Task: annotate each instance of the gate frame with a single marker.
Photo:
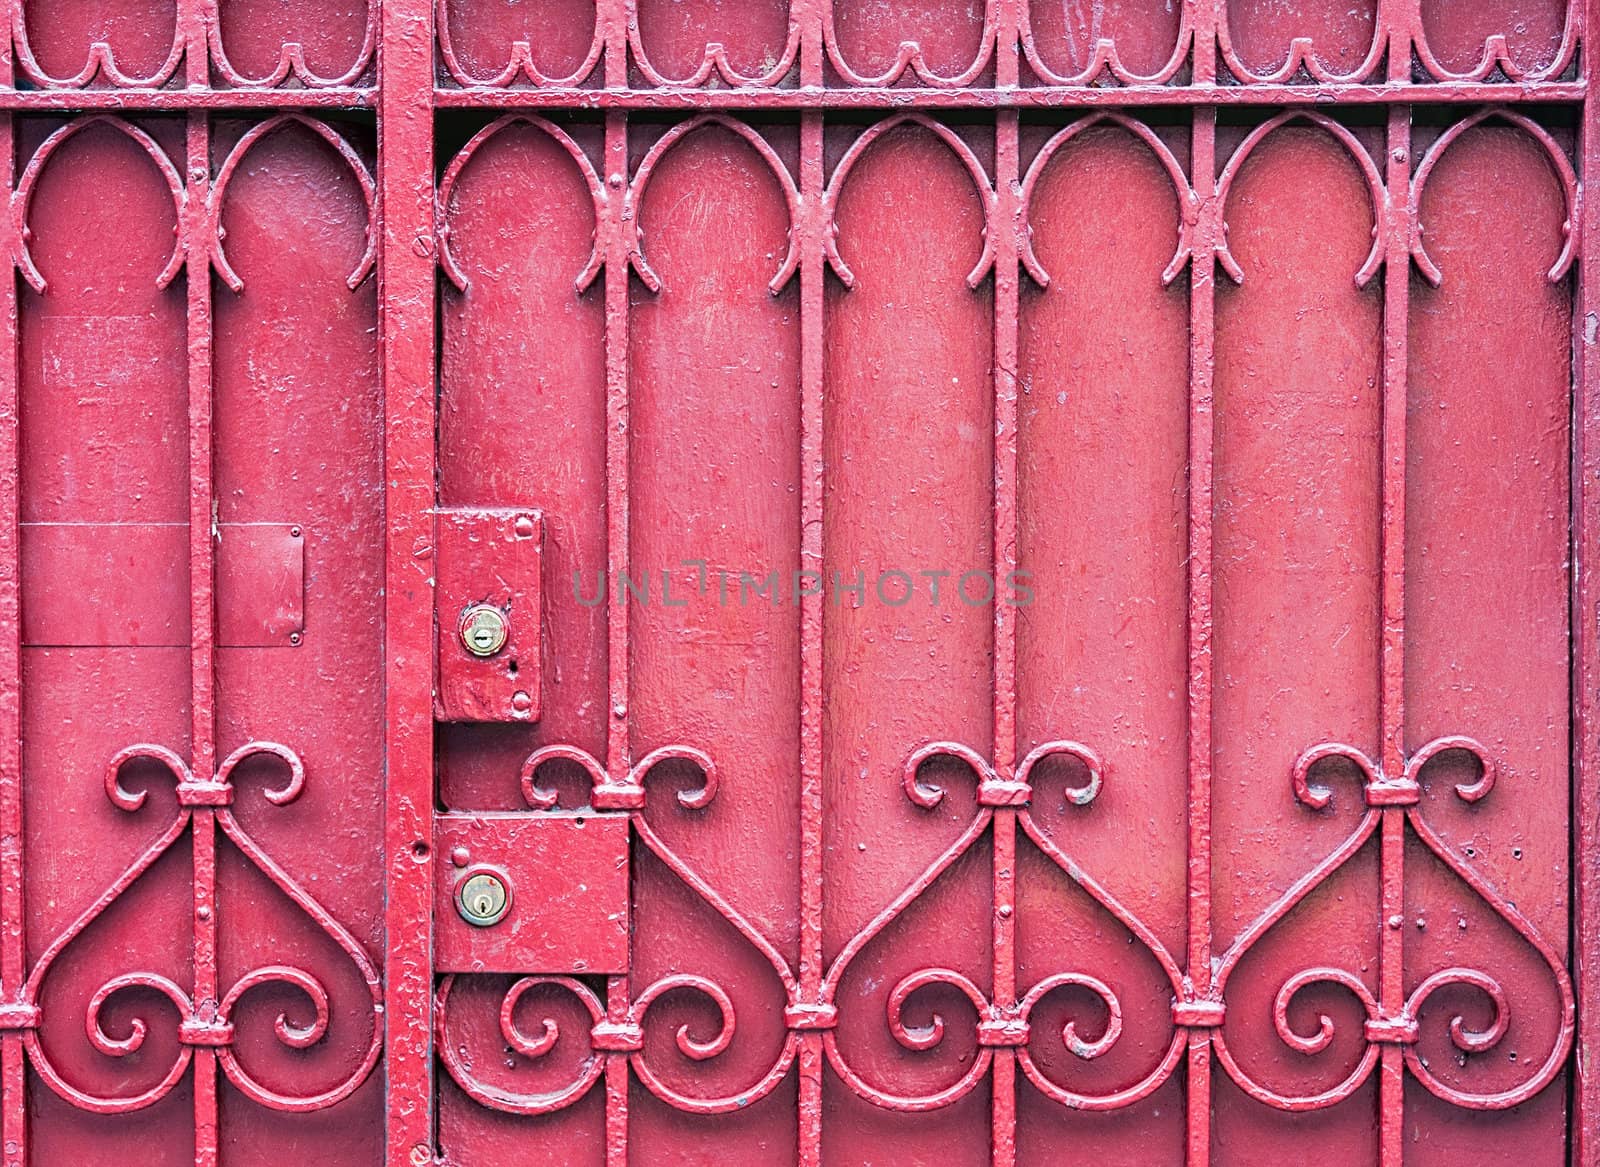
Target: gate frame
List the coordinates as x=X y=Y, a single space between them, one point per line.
x=407 y=100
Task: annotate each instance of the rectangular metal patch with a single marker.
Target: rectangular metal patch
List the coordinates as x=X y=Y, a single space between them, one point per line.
x=261 y=585
x=126 y=585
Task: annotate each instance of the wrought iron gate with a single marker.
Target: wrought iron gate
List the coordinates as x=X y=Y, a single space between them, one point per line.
x=840 y=581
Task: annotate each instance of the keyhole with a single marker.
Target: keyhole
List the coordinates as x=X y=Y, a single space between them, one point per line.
x=483 y=899
x=484 y=630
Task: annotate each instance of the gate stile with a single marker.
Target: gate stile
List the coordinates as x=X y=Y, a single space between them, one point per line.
x=378 y=996
x=1586 y=653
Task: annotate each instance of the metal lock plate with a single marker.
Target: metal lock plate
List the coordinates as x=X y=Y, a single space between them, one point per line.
x=532 y=893
x=487 y=600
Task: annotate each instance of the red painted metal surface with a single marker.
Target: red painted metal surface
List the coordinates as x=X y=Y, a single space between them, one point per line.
x=488 y=590
x=1044 y=554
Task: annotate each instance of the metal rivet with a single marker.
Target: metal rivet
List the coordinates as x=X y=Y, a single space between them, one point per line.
x=460 y=856
x=524 y=527
x=484 y=629
x=482 y=899
x=521 y=702
x=294 y=638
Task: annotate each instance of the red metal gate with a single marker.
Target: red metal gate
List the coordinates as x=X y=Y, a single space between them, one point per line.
x=842 y=581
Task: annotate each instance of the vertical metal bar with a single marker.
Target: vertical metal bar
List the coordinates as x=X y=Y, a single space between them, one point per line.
x=202 y=546
x=1401 y=16
x=809 y=14
x=617 y=1004
x=203 y=830
x=406 y=314
x=202 y=611
x=1206 y=14
x=13 y=939
x=813 y=271
x=1008 y=189
x=813 y=323
x=1202 y=357
x=613 y=18
x=202 y=580
x=1396 y=307
x=618 y=257
x=1202 y=347
x=1008 y=228
x=1391 y=988
x=1585 y=1123
x=1007 y=58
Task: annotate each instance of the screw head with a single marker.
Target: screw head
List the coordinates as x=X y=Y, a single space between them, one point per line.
x=484 y=629
x=483 y=899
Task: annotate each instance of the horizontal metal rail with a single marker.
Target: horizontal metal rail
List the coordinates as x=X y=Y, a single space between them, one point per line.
x=810 y=97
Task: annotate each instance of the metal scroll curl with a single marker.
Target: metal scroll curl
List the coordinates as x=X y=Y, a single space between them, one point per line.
x=918 y=1014
x=203 y=1020
x=618 y=1027
x=1398 y=796
x=1001 y=1027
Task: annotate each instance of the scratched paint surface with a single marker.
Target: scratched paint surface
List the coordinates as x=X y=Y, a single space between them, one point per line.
x=1058 y=521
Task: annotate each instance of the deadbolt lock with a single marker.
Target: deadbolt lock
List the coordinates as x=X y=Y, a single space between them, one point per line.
x=483 y=899
x=484 y=630
x=487 y=599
